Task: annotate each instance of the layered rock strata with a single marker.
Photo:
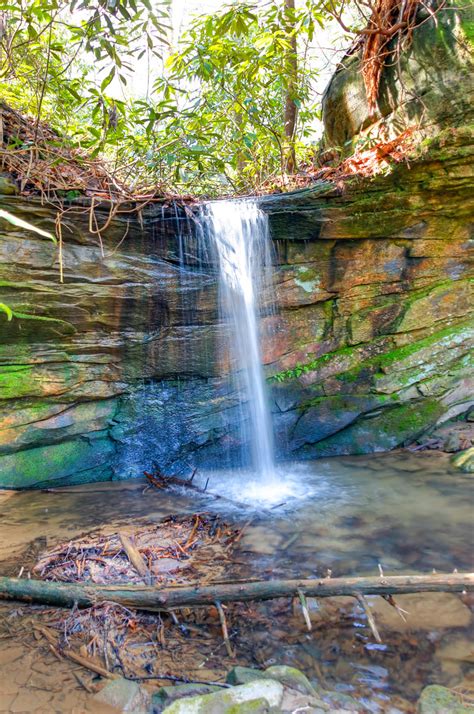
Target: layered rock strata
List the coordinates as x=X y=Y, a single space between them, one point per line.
x=120 y=365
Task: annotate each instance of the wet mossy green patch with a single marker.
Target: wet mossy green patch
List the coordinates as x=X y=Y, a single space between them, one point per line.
x=15 y=381
x=392 y=427
x=73 y=461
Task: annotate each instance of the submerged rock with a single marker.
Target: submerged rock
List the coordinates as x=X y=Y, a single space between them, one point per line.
x=124 y=695
x=424 y=611
x=342 y=702
x=440 y=700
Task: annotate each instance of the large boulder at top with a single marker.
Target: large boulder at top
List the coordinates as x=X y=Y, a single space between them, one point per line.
x=430 y=81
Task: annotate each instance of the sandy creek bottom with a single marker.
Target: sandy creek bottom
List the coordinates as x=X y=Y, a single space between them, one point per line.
x=408 y=512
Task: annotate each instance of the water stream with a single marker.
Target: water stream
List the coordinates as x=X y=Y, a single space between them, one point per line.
x=239 y=237
x=357 y=512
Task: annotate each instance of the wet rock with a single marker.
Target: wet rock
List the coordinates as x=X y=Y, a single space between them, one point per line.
x=464 y=461
x=294 y=701
x=425 y=611
x=291 y=678
x=254 y=695
x=339 y=701
x=453 y=444
x=244 y=675
x=440 y=700
x=167 y=695
x=454 y=654
x=124 y=695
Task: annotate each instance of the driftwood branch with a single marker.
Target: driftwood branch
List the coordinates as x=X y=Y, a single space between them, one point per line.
x=164 y=482
x=144 y=597
x=70 y=654
x=135 y=557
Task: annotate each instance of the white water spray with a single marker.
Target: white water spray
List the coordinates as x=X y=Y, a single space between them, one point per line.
x=240 y=236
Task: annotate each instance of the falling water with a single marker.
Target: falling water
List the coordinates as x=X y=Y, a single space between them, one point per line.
x=239 y=234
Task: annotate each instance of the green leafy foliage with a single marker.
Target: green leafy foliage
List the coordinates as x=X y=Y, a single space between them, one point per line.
x=21 y=223
x=211 y=123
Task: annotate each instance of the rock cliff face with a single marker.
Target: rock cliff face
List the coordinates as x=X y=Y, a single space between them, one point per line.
x=118 y=367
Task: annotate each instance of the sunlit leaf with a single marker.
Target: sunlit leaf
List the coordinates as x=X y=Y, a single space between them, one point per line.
x=20 y=223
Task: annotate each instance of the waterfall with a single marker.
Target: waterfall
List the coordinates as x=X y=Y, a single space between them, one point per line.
x=239 y=236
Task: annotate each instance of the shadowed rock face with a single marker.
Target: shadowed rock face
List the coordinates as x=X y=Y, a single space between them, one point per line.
x=120 y=365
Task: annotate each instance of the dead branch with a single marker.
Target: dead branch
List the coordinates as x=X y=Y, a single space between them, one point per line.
x=169 y=598
x=135 y=557
x=163 y=482
x=70 y=654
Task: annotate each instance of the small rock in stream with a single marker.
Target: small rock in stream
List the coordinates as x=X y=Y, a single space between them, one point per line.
x=125 y=695
x=440 y=700
x=464 y=461
x=289 y=677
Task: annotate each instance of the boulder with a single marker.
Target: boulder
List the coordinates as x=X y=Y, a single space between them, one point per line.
x=251 y=697
x=429 y=81
x=167 y=695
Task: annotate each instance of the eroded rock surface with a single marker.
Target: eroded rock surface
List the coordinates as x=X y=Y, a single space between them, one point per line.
x=121 y=365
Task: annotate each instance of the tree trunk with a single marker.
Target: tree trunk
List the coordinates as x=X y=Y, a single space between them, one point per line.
x=291 y=67
x=144 y=597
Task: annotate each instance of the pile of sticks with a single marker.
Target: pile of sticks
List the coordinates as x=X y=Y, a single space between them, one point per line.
x=137 y=555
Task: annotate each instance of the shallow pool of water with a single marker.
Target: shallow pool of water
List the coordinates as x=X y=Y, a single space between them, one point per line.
x=405 y=512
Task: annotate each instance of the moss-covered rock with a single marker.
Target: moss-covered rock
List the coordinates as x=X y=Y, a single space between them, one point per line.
x=167 y=695
x=440 y=700
x=250 y=697
x=464 y=461
x=431 y=80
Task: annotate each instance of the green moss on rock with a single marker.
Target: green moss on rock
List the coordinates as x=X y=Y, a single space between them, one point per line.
x=73 y=461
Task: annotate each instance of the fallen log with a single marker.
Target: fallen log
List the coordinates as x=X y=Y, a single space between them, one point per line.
x=142 y=597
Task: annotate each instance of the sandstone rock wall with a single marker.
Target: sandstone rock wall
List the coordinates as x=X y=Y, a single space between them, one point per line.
x=120 y=364
x=384 y=298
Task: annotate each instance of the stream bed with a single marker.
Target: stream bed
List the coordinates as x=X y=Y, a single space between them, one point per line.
x=405 y=512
